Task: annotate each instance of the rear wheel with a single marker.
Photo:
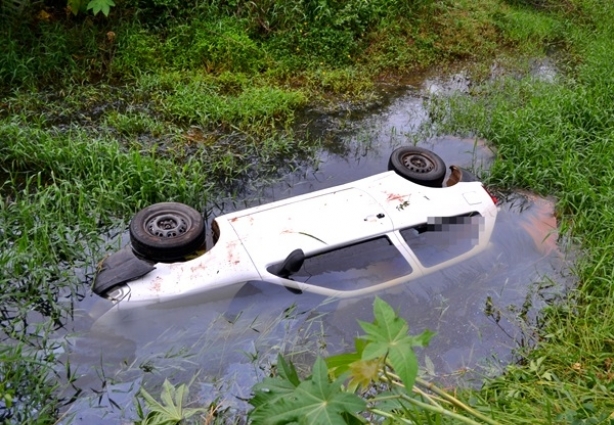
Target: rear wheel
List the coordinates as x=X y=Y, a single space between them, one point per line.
x=418 y=165
x=167 y=231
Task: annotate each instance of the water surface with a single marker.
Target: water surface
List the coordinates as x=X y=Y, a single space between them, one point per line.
x=481 y=309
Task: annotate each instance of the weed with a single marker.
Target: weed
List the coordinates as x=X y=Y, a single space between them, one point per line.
x=555 y=137
x=134 y=124
x=373 y=388
x=198 y=103
x=99 y=118
x=27 y=392
x=171 y=410
x=529 y=29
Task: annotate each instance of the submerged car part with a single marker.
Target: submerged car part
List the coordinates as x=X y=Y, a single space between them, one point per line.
x=458 y=174
x=117 y=269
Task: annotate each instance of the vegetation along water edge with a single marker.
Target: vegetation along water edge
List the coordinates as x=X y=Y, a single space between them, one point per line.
x=107 y=107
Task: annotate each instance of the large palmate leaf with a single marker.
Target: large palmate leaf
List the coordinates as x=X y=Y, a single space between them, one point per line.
x=314 y=401
x=388 y=337
x=171 y=410
x=340 y=363
x=103 y=6
x=77 y=6
x=272 y=390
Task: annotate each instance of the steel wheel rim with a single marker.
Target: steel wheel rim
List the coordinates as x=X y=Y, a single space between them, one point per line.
x=418 y=163
x=167 y=225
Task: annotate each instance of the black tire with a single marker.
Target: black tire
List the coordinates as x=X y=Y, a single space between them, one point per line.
x=215 y=232
x=418 y=165
x=167 y=231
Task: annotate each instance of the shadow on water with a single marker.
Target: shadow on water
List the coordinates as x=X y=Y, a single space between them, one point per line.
x=482 y=309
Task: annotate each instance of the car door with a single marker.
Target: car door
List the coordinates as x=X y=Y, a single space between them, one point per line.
x=443 y=241
x=362 y=267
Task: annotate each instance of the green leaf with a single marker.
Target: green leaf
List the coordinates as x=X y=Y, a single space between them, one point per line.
x=76 y=6
x=352 y=362
x=388 y=337
x=314 y=401
x=423 y=339
x=287 y=371
x=103 y=6
x=171 y=410
x=388 y=331
x=340 y=363
x=405 y=364
x=271 y=390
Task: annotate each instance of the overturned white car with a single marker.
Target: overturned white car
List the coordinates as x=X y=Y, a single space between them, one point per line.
x=345 y=241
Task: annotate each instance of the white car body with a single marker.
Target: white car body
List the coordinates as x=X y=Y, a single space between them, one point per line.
x=252 y=240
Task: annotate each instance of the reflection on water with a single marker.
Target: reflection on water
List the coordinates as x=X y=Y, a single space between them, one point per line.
x=541 y=225
x=480 y=309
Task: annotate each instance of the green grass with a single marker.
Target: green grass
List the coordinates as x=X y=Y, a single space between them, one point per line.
x=26 y=385
x=62 y=189
x=273 y=38
x=528 y=29
x=199 y=102
x=556 y=138
x=99 y=118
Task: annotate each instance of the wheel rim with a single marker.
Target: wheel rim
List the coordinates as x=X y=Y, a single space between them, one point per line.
x=167 y=225
x=418 y=163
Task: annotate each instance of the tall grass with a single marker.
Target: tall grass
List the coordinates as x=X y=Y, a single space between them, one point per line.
x=27 y=392
x=171 y=101
x=62 y=189
x=272 y=38
x=557 y=138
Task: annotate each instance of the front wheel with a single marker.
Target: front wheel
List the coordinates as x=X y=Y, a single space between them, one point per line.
x=167 y=231
x=418 y=165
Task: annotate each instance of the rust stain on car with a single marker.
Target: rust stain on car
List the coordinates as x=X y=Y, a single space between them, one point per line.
x=231 y=254
x=395 y=197
x=156 y=285
x=197 y=267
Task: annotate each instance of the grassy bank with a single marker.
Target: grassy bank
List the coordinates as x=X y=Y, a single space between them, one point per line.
x=166 y=100
x=555 y=137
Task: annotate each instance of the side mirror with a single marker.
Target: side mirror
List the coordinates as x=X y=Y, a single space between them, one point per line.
x=292 y=264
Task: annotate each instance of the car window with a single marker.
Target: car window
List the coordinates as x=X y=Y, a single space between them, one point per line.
x=355 y=266
x=442 y=238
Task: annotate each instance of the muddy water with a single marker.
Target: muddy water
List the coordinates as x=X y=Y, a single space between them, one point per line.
x=481 y=310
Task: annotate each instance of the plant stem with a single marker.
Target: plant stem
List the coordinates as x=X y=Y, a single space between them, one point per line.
x=446 y=397
x=439 y=409
x=418 y=391
x=390 y=416
x=431 y=387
